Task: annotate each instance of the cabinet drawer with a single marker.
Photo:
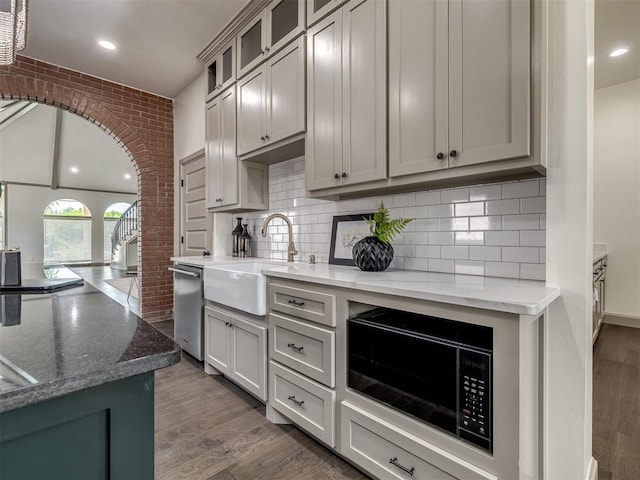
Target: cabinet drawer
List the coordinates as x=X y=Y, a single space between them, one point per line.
x=308 y=349
x=308 y=304
x=388 y=452
x=305 y=402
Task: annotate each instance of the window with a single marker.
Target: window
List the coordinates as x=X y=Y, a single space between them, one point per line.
x=67 y=232
x=111 y=216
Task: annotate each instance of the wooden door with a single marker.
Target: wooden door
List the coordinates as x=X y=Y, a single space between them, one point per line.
x=285 y=92
x=217 y=340
x=228 y=159
x=418 y=86
x=364 y=74
x=251 y=111
x=195 y=222
x=489 y=80
x=249 y=352
x=323 y=156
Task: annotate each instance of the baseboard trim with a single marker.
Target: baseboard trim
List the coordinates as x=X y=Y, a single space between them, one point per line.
x=622 y=320
x=592 y=471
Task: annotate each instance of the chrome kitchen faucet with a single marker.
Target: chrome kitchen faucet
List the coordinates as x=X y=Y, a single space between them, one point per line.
x=292 y=248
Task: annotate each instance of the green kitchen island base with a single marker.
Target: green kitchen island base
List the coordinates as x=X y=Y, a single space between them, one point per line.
x=103 y=432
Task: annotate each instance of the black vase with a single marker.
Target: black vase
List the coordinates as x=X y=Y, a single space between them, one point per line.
x=372 y=255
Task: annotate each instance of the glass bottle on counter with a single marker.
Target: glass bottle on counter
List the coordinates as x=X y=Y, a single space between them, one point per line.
x=235 y=234
x=245 y=242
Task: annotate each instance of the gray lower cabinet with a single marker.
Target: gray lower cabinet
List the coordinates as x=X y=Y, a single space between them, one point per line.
x=236 y=346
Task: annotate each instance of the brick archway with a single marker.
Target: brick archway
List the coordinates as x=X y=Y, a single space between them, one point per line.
x=142 y=123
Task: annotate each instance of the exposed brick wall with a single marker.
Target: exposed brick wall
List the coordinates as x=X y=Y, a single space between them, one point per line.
x=142 y=124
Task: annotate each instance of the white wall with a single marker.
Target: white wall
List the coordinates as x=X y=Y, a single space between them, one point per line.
x=567 y=389
x=24 y=222
x=188 y=119
x=617 y=193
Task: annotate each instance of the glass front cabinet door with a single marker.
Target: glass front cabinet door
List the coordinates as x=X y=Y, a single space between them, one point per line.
x=221 y=72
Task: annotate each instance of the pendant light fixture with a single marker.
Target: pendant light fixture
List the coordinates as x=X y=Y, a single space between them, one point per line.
x=13 y=29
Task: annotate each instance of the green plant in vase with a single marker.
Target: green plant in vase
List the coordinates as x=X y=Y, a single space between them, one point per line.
x=375 y=253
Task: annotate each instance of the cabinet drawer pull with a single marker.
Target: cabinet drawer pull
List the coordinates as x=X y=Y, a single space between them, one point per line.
x=297 y=304
x=394 y=462
x=292 y=346
x=299 y=403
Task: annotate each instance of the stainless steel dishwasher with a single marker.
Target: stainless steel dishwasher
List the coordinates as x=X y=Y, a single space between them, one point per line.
x=188 y=305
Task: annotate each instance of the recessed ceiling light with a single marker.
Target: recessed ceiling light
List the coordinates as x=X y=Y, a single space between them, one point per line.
x=106 y=44
x=74 y=169
x=127 y=176
x=618 y=51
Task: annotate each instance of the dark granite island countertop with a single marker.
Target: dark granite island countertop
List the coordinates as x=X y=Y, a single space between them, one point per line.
x=64 y=342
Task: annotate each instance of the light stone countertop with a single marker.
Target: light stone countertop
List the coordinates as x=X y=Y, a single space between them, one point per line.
x=529 y=297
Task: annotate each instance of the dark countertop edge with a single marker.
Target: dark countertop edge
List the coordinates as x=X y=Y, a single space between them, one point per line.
x=37 y=393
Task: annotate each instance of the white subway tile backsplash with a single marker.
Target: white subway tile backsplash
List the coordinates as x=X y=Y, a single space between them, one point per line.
x=454 y=195
x=440 y=238
x=520 y=254
x=439 y=265
x=469 y=238
x=503 y=207
x=493 y=230
x=532 y=271
x=485 y=192
x=428 y=198
x=469 y=209
x=454 y=224
x=436 y=211
x=533 y=238
x=485 y=253
x=500 y=239
x=525 y=188
x=467 y=267
x=485 y=223
x=521 y=222
x=533 y=205
x=456 y=253
x=428 y=251
x=502 y=269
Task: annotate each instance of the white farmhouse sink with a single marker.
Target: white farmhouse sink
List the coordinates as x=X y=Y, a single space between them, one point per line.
x=240 y=286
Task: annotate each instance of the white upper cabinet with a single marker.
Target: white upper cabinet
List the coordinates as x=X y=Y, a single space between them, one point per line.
x=220 y=150
x=459 y=90
x=251 y=111
x=489 y=85
x=346 y=97
x=317 y=9
x=364 y=102
x=221 y=71
x=418 y=86
x=276 y=26
x=271 y=100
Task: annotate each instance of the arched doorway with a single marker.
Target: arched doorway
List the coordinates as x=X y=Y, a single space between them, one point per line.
x=142 y=124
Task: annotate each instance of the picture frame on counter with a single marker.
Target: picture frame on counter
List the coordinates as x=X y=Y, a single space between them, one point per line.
x=345 y=232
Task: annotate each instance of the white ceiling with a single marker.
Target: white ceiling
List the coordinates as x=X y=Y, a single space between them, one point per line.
x=27 y=146
x=617 y=25
x=157 y=40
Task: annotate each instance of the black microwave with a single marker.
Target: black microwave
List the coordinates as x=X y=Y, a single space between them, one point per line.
x=436 y=370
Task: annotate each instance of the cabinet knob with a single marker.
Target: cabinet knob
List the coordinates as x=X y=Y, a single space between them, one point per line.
x=344 y=174
x=262 y=138
x=453 y=153
x=336 y=176
x=266 y=49
x=266 y=137
x=440 y=156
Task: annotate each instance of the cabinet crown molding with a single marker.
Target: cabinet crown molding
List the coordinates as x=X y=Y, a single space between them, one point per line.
x=231 y=29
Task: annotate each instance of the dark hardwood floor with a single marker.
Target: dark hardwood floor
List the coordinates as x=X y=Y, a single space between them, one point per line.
x=616 y=403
